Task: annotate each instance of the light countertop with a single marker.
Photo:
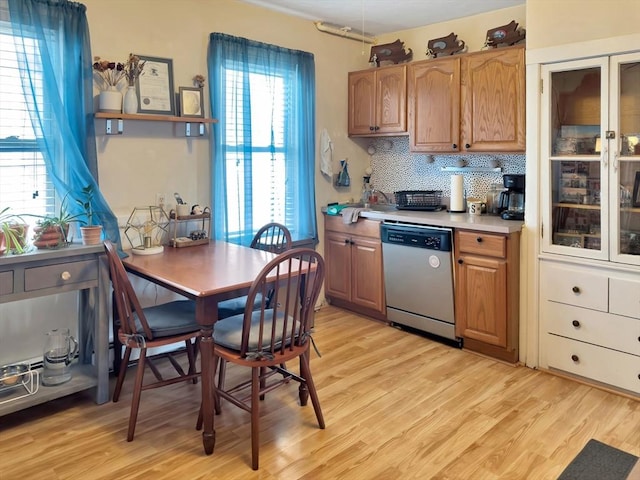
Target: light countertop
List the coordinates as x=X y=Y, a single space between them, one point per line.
x=483 y=223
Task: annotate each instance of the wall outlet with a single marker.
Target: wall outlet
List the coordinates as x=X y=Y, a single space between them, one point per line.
x=160 y=200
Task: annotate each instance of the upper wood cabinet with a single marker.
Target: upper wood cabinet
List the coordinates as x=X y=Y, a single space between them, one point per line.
x=468 y=103
x=378 y=101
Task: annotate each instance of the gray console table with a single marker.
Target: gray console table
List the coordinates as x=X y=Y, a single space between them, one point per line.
x=49 y=272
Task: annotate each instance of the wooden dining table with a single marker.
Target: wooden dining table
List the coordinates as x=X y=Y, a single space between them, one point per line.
x=206 y=274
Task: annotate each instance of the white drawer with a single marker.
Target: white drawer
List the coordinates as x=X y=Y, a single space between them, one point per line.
x=574 y=286
x=591 y=326
x=597 y=363
x=624 y=297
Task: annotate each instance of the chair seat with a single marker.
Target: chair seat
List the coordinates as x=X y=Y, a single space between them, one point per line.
x=235 y=306
x=171 y=319
x=228 y=332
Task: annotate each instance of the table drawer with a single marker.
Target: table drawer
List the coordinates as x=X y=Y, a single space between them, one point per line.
x=482 y=244
x=363 y=227
x=591 y=326
x=619 y=369
x=575 y=286
x=60 y=275
x=624 y=297
x=6 y=282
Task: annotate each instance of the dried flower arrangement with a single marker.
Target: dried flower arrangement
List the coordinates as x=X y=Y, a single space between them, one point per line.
x=109 y=73
x=198 y=81
x=133 y=68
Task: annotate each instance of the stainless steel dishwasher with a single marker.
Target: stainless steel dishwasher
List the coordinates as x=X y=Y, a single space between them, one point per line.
x=418 y=277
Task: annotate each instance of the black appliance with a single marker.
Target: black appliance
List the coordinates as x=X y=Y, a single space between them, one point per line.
x=512 y=199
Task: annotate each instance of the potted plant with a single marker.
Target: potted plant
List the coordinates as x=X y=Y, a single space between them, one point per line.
x=91 y=234
x=52 y=230
x=13 y=233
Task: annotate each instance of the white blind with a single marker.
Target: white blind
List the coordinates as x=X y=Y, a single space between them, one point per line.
x=23 y=179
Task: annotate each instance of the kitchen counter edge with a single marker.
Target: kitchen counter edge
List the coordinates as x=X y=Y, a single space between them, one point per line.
x=481 y=223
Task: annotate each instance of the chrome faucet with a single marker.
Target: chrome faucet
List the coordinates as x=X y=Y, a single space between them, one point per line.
x=377 y=193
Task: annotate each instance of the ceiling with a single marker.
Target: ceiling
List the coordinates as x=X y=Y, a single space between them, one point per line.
x=383 y=16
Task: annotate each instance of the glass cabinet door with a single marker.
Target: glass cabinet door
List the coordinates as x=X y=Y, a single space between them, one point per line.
x=625 y=171
x=575 y=104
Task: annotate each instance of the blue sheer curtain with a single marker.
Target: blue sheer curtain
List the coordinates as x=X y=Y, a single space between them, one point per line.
x=53 y=46
x=263 y=97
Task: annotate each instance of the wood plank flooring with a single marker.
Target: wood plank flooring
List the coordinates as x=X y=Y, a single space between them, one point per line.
x=397 y=406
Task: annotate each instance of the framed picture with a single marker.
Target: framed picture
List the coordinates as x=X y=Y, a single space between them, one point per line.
x=155 y=86
x=191 y=102
x=636 y=191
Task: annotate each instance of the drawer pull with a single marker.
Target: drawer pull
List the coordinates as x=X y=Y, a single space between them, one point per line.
x=65 y=276
x=575 y=358
x=575 y=289
x=479 y=239
x=575 y=323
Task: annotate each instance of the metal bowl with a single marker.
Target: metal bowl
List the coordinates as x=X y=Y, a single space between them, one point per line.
x=11 y=375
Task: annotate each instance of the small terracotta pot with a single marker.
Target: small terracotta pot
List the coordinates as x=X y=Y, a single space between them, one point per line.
x=91 y=235
x=50 y=237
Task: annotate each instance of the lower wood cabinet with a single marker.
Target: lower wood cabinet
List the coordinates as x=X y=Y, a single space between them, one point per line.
x=353 y=257
x=487 y=292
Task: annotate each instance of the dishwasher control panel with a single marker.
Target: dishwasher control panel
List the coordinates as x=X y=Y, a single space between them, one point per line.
x=417 y=236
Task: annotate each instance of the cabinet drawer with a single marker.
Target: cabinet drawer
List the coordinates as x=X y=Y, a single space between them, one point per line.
x=49 y=276
x=363 y=227
x=6 y=282
x=624 y=297
x=574 y=286
x=597 y=363
x=482 y=244
x=591 y=326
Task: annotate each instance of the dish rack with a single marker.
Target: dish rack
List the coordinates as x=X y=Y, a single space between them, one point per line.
x=18 y=381
x=419 y=200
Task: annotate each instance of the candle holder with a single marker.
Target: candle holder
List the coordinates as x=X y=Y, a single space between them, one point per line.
x=146 y=230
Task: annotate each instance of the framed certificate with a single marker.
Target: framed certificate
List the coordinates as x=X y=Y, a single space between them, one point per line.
x=155 y=86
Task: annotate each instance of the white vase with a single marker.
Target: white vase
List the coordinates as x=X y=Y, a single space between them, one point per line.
x=130 y=104
x=110 y=100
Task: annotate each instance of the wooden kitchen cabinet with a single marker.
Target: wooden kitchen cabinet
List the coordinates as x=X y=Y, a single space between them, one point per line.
x=353 y=257
x=378 y=101
x=468 y=103
x=487 y=292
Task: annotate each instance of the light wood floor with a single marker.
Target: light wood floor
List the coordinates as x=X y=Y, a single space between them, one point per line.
x=397 y=406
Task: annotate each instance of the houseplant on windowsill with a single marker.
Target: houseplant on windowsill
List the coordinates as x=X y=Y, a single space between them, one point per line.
x=91 y=234
x=52 y=231
x=13 y=233
x=108 y=75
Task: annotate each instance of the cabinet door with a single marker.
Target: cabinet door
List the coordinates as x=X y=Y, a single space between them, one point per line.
x=391 y=100
x=362 y=94
x=493 y=101
x=481 y=300
x=338 y=265
x=434 y=105
x=366 y=258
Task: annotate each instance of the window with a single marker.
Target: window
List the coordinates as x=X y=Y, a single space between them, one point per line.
x=24 y=186
x=264 y=152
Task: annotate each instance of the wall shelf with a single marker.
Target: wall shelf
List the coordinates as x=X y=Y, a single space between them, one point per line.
x=121 y=117
x=471 y=169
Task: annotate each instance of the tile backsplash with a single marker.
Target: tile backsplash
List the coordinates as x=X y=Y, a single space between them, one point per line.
x=396 y=168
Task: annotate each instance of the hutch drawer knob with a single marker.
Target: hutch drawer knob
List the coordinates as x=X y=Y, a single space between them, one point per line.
x=575 y=358
x=575 y=323
x=479 y=239
x=467 y=145
x=65 y=275
x=575 y=289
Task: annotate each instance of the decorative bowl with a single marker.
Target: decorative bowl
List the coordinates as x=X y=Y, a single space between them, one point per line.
x=11 y=375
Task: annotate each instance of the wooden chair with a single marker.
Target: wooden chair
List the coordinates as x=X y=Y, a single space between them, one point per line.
x=265 y=339
x=143 y=328
x=272 y=237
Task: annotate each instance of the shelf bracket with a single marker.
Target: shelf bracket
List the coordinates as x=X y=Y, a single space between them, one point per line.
x=187 y=129
x=119 y=126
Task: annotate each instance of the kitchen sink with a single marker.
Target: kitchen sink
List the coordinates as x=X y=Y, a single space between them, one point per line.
x=382 y=207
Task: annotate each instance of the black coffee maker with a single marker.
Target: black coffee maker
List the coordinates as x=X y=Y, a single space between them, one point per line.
x=512 y=200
